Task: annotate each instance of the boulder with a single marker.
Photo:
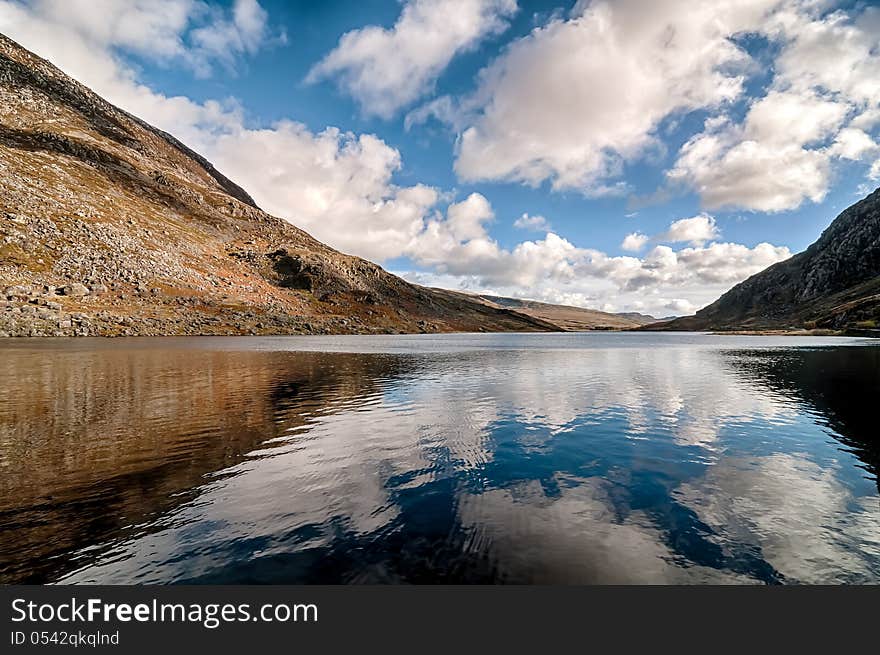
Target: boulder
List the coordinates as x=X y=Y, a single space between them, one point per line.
x=16 y=291
x=75 y=289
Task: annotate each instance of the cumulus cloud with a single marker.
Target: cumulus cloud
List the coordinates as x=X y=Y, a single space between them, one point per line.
x=146 y=27
x=585 y=94
x=696 y=231
x=553 y=269
x=225 y=39
x=757 y=501
x=681 y=307
x=536 y=223
x=835 y=51
x=336 y=185
x=766 y=163
x=867 y=119
x=86 y=44
x=854 y=144
x=823 y=96
x=178 y=31
x=387 y=69
x=579 y=96
x=635 y=241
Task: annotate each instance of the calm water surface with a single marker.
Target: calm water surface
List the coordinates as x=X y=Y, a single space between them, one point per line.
x=571 y=458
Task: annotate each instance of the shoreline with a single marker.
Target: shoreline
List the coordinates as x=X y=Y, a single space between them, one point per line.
x=233 y=333
x=869 y=334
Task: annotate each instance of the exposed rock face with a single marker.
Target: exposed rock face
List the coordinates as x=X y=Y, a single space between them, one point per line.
x=834 y=284
x=110 y=227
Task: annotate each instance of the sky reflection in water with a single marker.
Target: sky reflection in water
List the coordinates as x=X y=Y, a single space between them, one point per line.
x=578 y=458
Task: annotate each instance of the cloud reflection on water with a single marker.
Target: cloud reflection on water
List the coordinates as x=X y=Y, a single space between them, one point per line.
x=660 y=464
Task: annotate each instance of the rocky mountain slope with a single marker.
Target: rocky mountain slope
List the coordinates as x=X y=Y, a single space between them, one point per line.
x=568 y=317
x=109 y=226
x=833 y=284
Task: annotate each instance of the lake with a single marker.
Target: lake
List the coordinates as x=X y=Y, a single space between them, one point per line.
x=507 y=458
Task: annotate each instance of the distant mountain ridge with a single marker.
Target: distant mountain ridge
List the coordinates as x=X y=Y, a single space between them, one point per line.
x=834 y=284
x=568 y=317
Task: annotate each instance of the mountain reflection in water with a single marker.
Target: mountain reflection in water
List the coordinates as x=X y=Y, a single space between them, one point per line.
x=575 y=458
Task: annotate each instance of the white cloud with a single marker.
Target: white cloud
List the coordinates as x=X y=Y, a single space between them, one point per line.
x=757 y=501
x=825 y=89
x=336 y=185
x=867 y=119
x=576 y=98
x=836 y=51
x=784 y=117
x=680 y=307
x=143 y=26
x=766 y=163
x=85 y=44
x=696 y=230
x=853 y=143
x=553 y=269
x=466 y=219
x=580 y=97
x=635 y=241
x=245 y=33
x=387 y=69
x=181 y=31
x=444 y=109
x=536 y=223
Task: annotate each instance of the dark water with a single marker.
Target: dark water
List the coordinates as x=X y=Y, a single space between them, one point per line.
x=577 y=458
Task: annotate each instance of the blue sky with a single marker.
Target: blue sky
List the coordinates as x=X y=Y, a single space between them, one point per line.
x=787 y=144
x=271 y=87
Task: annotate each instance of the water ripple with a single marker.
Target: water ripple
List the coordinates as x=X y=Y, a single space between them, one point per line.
x=467 y=458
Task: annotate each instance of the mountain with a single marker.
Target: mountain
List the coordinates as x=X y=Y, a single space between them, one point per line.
x=567 y=317
x=833 y=284
x=109 y=226
x=642 y=319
